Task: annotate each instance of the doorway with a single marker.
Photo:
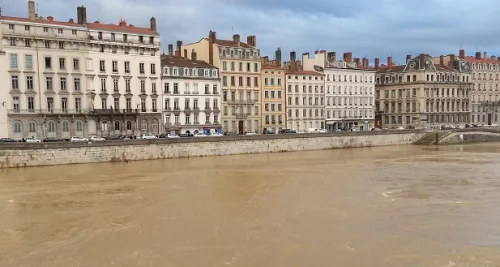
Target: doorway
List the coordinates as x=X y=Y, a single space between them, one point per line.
x=240 y=127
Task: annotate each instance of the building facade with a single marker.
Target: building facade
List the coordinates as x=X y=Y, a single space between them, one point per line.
x=305 y=97
x=350 y=90
x=240 y=70
x=421 y=93
x=273 y=94
x=78 y=78
x=191 y=95
x=484 y=100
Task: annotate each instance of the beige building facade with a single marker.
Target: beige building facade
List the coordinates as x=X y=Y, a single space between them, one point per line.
x=485 y=101
x=240 y=70
x=273 y=94
x=422 y=93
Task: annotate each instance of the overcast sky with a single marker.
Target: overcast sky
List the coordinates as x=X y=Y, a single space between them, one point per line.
x=371 y=28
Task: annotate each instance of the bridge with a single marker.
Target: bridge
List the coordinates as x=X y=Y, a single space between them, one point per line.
x=460 y=136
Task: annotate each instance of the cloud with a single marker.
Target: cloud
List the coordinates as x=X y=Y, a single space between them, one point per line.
x=365 y=27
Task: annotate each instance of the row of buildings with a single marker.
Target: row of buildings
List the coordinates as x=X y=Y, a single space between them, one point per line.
x=81 y=78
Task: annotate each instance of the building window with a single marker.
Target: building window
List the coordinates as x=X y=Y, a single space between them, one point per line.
x=32 y=127
x=115 y=66
x=65 y=126
x=15 y=82
x=18 y=127
x=76 y=64
x=73 y=32
x=12 y=42
x=144 y=125
x=79 y=126
x=115 y=85
x=28 y=62
x=27 y=43
x=117 y=125
x=129 y=125
x=77 y=84
x=47 y=44
x=48 y=62
x=153 y=105
x=78 y=104
x=15 y=104
x=143 y=86
x=48 y=81
x=127 y=67
x=13 y=61
x=102 y=66
x=31 y=104
x=153 y=68
x=61 y=45
x=63 y=83
x=101 y=49
x=51 y=126
x=117 y=103
x=127 y=85
x=103 y=85
x=60 y=31
x=45 y=29
x=141 y=68
x=143 y=105
x=11 y=26
x=62 y=63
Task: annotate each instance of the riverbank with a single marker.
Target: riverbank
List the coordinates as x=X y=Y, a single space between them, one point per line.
x=16 y=155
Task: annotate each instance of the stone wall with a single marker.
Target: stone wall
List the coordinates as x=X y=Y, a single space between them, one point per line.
x=469 y=137
x=44 y=154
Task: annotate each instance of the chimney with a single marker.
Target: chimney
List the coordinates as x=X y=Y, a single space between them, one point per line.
x=170 y=49
x=122 y=23
x=332 y=57
x=277 y=55
x=346 y=57
x=31 y=10
x=377 y=63
x=349 y=57
x=71 y=21
x=179 y=46
x=322 y=52
x=485 y=55
x=316 y=52
x=152 y=23
x=441 y=60
x=365 y=63
x=408 y=57
x=211 y=41
x=50 y=18
x=421 y=59
x=252 y=40
x=81 y=15
x=478 y=55
x=193 y=55
x=306 y=54
x=185 y=53
x=451 y=64
x=389 y=62
x=356 y=60
x=236 y=39
x=461 y=54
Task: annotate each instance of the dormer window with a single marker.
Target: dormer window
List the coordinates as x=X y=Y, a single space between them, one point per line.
x=214 y=73
x=195 y=72
x=165 y=71
x=141 y=39
x=206 y=73
x=186 y=72
x=175 y=72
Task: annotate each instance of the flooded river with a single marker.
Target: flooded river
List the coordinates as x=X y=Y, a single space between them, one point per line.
x=390 y=206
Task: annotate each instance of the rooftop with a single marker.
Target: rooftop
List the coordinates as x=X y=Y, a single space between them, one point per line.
x=230 y=43
x=304 y=72
x=70 y=23
x=174 y=61
x=122 y=27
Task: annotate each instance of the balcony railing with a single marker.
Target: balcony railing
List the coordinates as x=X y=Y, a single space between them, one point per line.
x=242 y=115
x=242 y=101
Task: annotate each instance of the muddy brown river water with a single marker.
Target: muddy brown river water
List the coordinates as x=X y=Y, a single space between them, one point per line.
x=387 y=206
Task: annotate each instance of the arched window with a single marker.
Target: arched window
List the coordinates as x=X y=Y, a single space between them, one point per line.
x=155 y=125
x=144 y=125
x=79 y=126
x=117 y=125
x=51 y=126
x=32 y=126
x=129 y=125
x=65 y=126
x=18 y=127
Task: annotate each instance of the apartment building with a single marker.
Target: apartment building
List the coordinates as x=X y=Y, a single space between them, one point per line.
x=273 y=94
x=484 y=100
x=305 y=97
x=240 y=69
x=191 y=94
x=422 y=93
x=70 y=78
x=350 y=90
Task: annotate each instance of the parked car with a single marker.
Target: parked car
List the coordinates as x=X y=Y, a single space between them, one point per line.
x=250 y=133
x=172 y=136
x=231 y=133
x=31 y=140
x=184 y=135
x=216 y=134
x=200 y=135
x=7 y=140
x=96 y=138
x=148 y=136
x=115 y=137
x=400 y=128
x=322 y=131
x=52 y=140
x=287 y=131
x=78 y=139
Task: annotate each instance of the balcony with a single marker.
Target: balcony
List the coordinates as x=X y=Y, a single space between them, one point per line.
x=167 y=92
x=207 y=110
x=45 y=111
x=207 y=92
x=242 y=102
x=242 y=115
x=110 y=111
x=215 y=92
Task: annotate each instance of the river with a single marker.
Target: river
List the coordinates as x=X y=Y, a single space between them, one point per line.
x=386 y=206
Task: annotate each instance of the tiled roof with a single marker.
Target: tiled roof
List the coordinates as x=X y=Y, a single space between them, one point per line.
x=396 y=68
x=43 y=21
x=305 y=72
x=482 y=60
x=440 y=67
x=173 y=61
x=230 y=43
x=121 y=28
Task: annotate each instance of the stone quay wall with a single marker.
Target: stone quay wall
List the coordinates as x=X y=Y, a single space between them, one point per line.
x=15 y=155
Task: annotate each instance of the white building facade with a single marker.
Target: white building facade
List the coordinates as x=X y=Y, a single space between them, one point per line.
x=77 y=78
x=191 y=95
x=349 y=90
